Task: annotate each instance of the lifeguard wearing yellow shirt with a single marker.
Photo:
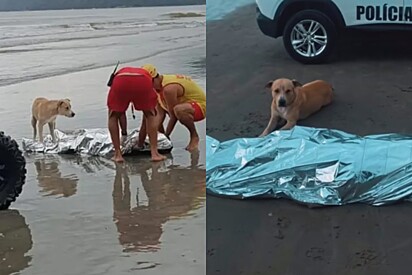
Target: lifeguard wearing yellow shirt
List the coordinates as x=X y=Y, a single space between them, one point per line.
x=184 y=101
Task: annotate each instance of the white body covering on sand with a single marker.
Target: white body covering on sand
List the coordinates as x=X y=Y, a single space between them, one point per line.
x=94 y=142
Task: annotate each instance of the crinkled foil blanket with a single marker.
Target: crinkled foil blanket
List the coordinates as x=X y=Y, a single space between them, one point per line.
x=95 y=142
x=312 y=166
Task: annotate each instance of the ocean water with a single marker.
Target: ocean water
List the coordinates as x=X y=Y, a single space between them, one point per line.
x=80 y=215
x=217 y=9
x=41 y=44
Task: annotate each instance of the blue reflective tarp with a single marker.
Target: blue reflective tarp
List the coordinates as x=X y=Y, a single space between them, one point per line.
x=312 y=166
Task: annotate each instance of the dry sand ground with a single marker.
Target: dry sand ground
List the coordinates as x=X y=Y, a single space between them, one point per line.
x=372 y=76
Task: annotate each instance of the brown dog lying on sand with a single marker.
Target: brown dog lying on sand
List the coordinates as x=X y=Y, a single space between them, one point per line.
x=292 y=102
x=45 y=111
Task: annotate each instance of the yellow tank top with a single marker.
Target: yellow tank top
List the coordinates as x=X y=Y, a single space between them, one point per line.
x=192 y=91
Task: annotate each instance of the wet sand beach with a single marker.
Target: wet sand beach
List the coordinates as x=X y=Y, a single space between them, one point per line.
x=86 y=215
x=371 y=75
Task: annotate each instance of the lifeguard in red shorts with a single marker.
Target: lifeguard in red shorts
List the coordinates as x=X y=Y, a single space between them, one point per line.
x=183 y=100
x=133 y=85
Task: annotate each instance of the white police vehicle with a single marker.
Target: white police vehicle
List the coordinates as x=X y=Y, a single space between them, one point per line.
x=310 y=28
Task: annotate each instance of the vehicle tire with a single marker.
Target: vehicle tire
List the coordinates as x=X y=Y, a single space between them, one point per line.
x=12 y=171
x=309 y=37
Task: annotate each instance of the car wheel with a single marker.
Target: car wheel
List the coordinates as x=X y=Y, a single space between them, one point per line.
x=12 y=171
x=309 y=37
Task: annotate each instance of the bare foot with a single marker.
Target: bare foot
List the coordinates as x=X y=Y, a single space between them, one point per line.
x=158 y=157
x=193 y=144
x=118 y=158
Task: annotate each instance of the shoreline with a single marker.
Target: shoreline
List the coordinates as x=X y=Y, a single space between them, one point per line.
x=112 y=65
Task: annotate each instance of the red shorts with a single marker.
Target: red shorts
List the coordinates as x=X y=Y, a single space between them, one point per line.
x=198 y=115
x=131 y=85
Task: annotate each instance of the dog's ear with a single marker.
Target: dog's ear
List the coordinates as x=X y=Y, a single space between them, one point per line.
x=269 y=84
x=61 y=102
x=296 y=83
x=67 y=99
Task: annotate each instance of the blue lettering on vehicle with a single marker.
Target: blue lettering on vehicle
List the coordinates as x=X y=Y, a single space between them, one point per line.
x=384 y=13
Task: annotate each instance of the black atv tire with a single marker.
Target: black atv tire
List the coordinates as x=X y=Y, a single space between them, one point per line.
x=12 y=171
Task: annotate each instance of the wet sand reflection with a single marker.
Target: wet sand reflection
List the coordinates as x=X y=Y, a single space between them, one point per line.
x=145 y=194
x=51 y=181
x=15 y=242
x=172 y=192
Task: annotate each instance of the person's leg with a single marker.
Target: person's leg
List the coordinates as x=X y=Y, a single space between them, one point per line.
x=162 y=115
x=143 y=129
x=123 y=127
x=186 y=113
x=117 y=103
x=162 y=128
x=152 y=126
x=123 y=123
x=113 y=124
x=145 y=99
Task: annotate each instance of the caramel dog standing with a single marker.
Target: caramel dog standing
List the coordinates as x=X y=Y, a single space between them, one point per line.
x=292 y=102
x=45 y=111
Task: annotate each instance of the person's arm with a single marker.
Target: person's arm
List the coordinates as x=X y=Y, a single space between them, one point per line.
x=170 y=93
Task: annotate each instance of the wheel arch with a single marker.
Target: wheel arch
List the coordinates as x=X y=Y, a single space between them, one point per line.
x=289 y=7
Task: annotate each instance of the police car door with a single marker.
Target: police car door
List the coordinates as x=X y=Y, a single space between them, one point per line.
x=369 y=12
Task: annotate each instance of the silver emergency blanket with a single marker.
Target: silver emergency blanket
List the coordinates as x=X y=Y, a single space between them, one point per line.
x=95 y=142
x=312 y=166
